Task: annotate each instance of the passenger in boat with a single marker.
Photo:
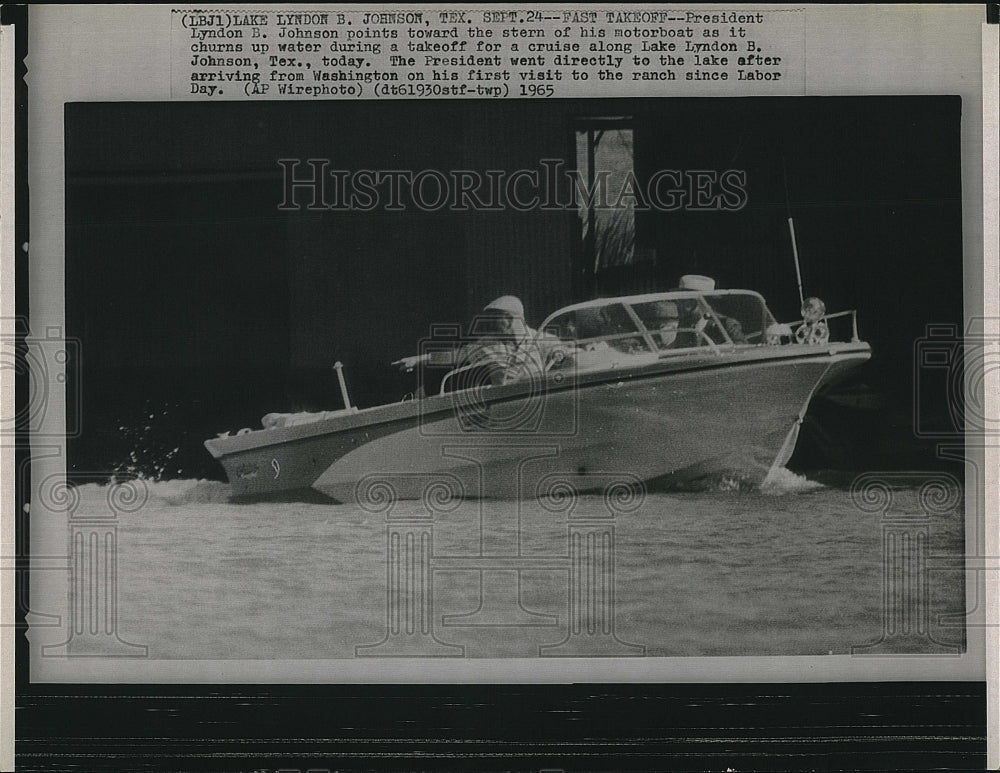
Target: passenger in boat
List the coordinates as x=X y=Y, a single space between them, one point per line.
x=505 y=346
x=691 y=321
x=494 y=332
x=662 y=320
x=693 y=316
x=707 y=327
x=733 y=328
x=488 y=355
x=607 y=327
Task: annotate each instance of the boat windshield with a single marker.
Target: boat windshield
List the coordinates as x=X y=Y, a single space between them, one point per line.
x=610 y=325
x=664 y=322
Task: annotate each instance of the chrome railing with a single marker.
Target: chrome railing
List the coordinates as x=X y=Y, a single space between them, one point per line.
x=852 y=313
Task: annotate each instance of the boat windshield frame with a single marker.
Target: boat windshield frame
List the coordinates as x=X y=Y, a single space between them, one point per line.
x=703 y=340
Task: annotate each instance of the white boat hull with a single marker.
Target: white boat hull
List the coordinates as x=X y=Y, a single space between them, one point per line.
x=658 y=425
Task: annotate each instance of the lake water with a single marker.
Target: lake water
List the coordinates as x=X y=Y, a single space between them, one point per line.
x=794 y=570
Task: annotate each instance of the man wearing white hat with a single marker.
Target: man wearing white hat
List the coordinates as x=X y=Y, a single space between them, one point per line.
x=703 y=325
x=704 y=284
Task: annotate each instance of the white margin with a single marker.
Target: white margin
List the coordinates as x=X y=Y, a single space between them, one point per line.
x=7 y=500
x=991 y=374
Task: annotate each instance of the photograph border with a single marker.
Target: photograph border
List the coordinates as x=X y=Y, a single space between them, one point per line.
x=41 y=704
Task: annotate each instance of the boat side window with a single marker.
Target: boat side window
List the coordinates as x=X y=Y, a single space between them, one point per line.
x=600 y=327
x=671 y=323
x=744 y=316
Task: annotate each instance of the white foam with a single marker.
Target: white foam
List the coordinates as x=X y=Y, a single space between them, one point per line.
x=784 y=481
x=159 y=493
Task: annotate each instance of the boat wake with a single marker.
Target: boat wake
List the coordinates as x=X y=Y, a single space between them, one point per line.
x=784 y=481
x=162 y=493
x=188 y=492
x=740 y=481
x=182 y=492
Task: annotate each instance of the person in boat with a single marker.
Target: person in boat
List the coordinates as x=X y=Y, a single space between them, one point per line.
x=662 y=320
x=503 y=348
x=694 y=318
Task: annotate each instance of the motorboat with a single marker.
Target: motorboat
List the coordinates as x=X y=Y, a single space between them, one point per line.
x=661 y=388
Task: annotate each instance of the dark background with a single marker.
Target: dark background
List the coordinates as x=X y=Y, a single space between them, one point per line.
x=201 y=306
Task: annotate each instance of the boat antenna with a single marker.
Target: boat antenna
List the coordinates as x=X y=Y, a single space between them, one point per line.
x=791 y=231
x=339 y=367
